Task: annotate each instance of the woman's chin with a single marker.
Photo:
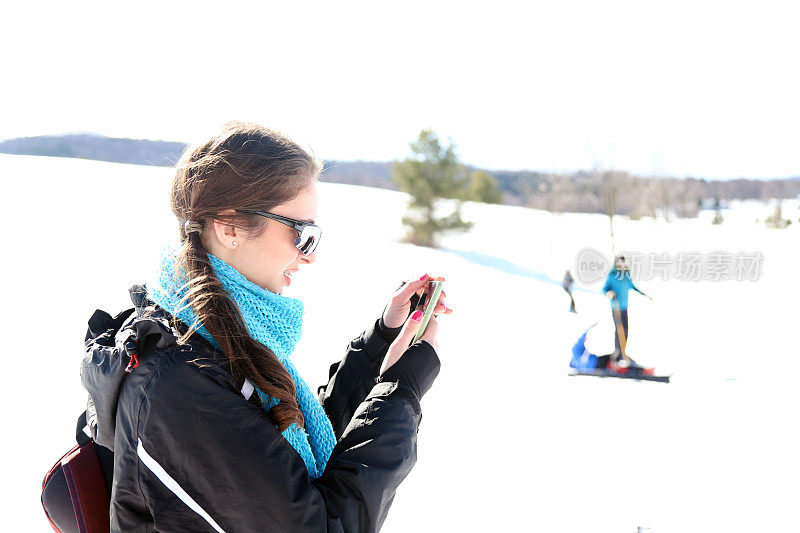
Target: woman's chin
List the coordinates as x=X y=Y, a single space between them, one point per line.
x=279 y=286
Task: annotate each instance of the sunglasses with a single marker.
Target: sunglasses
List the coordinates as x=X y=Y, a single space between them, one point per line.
x=308 y=234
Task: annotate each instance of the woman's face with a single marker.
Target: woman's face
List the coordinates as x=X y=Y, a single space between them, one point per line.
x=267 y=259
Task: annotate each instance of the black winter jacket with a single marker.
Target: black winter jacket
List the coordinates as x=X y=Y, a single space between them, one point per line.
x=193 y=453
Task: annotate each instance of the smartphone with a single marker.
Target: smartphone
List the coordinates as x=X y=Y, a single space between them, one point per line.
x=427 y=303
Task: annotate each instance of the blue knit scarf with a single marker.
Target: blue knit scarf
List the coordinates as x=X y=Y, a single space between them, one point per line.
x=273 y=320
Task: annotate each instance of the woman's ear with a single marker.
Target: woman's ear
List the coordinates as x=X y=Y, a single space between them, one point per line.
x=224 y=233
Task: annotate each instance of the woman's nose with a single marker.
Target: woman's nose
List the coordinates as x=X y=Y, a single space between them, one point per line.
x=308 y=258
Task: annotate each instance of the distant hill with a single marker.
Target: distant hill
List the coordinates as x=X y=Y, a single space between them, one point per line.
x=98 y=147
x=367 y=173
x=166 y=154
x=579 y=191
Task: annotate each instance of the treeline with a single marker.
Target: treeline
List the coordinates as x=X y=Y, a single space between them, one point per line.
x=581 y=191
x=635 y=196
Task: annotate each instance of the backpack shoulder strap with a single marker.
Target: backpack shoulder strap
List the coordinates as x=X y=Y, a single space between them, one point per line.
x=81 y=437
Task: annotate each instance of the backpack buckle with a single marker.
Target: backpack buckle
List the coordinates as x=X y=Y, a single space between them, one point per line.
x=130 y=349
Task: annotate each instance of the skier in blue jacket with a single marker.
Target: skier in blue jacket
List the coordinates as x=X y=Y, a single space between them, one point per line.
x=618 y=283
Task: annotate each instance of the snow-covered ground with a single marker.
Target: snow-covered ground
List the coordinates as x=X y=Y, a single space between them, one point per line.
x=508 y=441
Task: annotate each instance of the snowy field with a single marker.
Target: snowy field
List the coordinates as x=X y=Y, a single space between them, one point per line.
x=508 y=441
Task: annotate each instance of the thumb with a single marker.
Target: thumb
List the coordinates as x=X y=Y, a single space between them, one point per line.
x=402 y=341
x=410 y=328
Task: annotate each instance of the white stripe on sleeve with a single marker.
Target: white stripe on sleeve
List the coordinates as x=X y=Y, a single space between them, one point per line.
x=172 y=485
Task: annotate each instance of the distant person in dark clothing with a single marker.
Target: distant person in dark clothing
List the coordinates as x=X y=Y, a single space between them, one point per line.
x=618 y=283
x=567 y=283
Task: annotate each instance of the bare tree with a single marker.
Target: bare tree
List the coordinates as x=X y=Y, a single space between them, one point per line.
x=552 y=193
x=612 y=185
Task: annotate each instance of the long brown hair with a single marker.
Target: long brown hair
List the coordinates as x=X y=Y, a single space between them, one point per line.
x=246 y=166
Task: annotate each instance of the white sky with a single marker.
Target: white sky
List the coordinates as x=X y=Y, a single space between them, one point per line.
x=680 y=88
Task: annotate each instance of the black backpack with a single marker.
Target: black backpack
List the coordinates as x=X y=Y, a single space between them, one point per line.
x=76 y=491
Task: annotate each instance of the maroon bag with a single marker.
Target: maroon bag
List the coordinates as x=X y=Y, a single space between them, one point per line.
x=75 y=492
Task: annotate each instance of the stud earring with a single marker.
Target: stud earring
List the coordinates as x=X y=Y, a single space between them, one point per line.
x=233 y=243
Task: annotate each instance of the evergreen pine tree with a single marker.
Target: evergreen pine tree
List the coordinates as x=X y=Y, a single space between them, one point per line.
x=433 y=172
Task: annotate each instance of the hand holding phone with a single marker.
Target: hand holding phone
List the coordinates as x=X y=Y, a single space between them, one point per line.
x=426 y=304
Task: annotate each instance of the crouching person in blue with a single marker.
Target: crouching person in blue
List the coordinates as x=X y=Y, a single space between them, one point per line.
x=194 y=389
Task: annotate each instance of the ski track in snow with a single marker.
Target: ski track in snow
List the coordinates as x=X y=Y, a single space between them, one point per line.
x=508 y=441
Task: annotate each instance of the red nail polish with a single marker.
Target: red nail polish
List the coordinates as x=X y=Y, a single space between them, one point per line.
x=416 y=316
x=423 y=277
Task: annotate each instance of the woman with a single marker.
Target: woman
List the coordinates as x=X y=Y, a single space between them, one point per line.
x=618 y=283
x=211 y=426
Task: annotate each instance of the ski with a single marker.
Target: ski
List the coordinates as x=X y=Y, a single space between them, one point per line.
x=605 y=373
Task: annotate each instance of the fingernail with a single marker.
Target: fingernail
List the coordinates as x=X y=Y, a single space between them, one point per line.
x=423 y=277
x=417 y=316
